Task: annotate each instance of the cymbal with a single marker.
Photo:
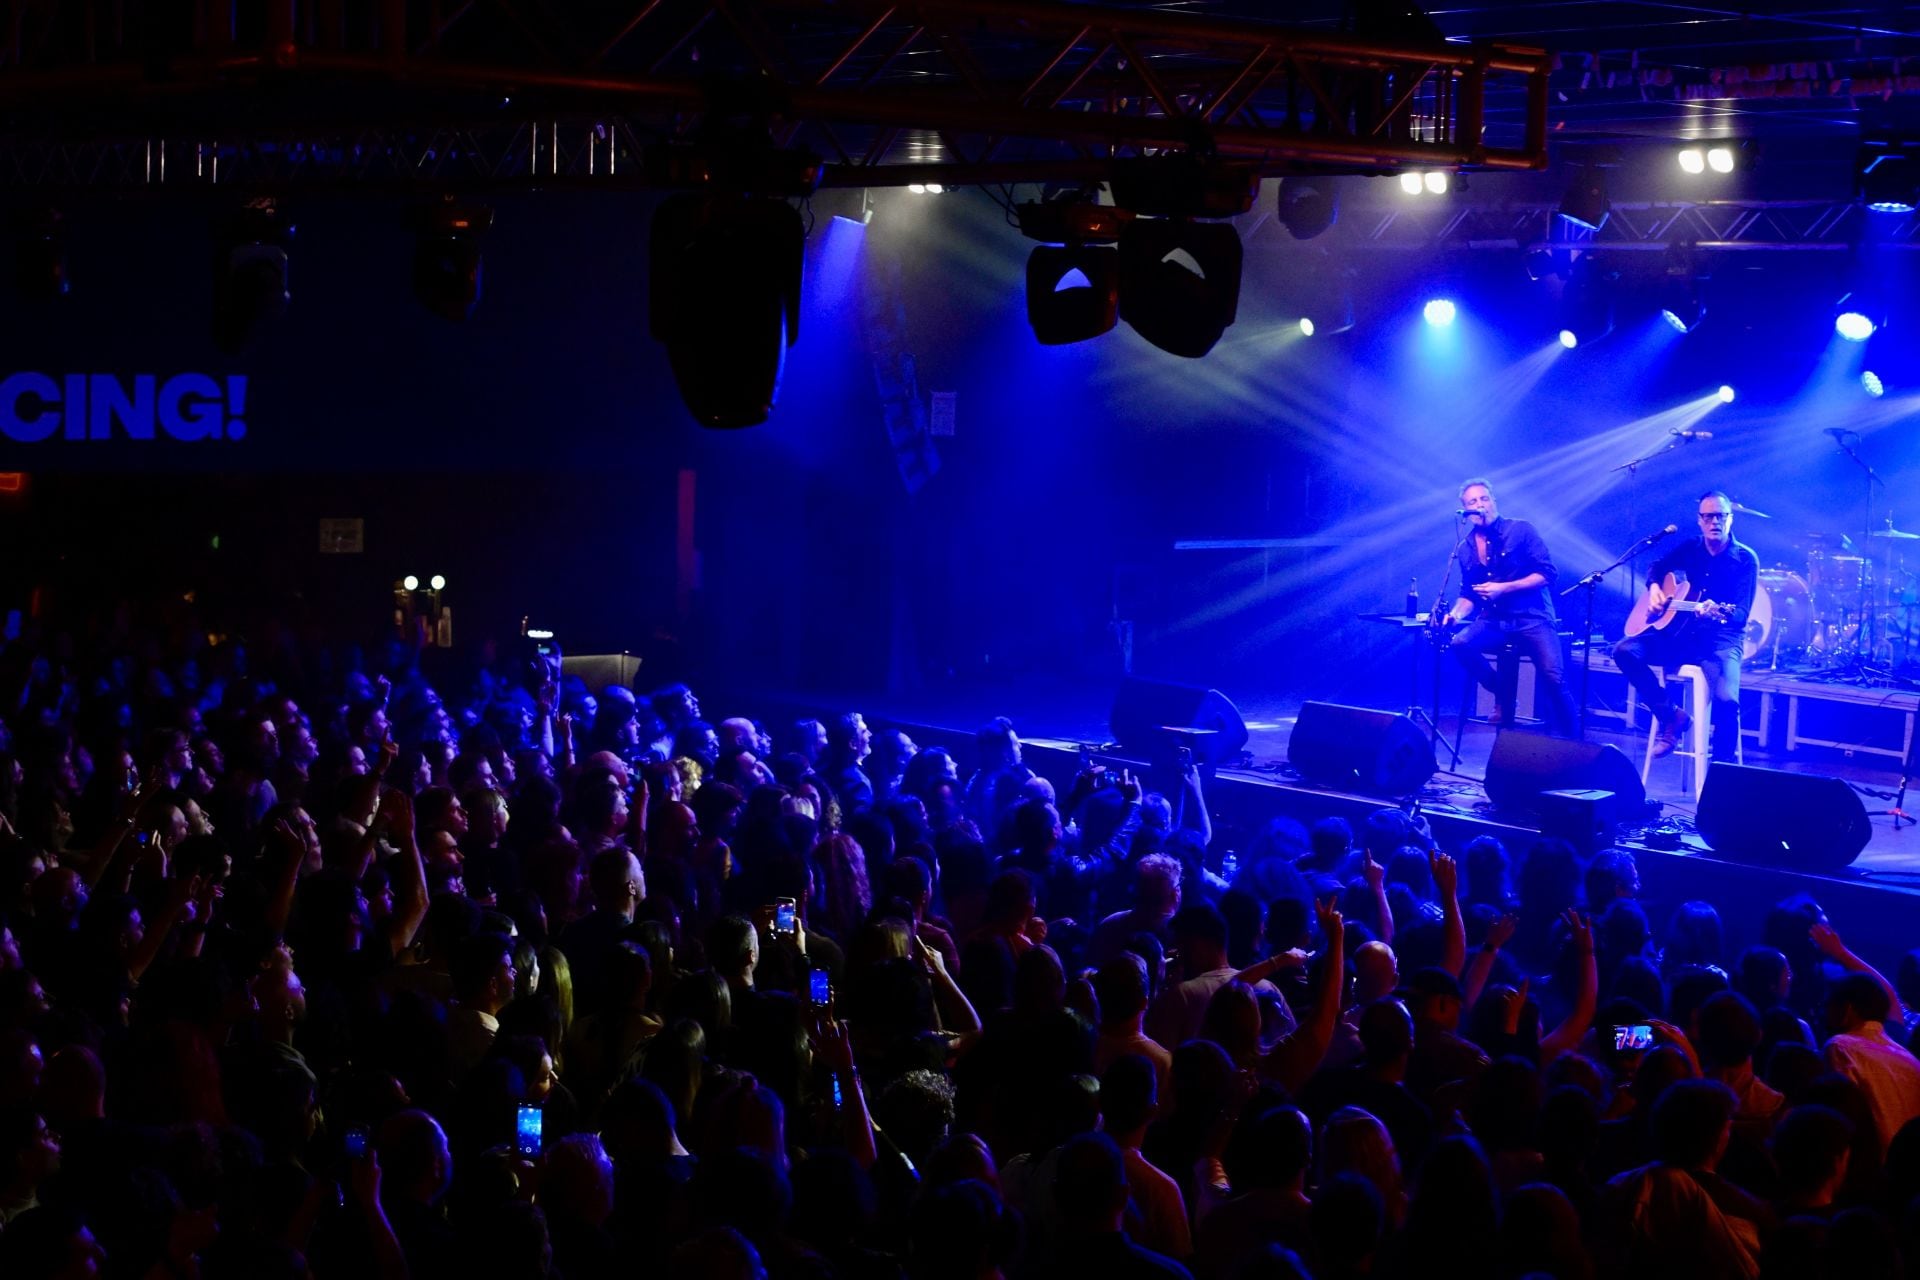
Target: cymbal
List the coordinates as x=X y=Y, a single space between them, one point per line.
x=1895 y=533
x=1745 y=510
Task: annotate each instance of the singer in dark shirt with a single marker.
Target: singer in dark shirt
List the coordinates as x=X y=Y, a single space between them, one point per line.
x=1505 y=570
x=1717 y=569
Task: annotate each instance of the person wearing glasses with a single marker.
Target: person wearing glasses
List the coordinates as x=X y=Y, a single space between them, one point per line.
x=1716 y=569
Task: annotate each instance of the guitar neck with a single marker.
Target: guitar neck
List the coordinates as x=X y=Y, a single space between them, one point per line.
x=1689 y=606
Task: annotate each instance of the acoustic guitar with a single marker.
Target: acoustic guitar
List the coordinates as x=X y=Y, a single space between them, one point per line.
x=1677 y=606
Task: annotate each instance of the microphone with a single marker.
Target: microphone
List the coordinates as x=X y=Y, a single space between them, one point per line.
x=1462 y=511
x=1689 y=436
x=1839 y=433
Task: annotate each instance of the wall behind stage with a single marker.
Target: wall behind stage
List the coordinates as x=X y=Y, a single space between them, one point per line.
x=534 y=454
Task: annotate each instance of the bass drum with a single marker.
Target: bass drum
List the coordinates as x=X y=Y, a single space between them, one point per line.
x=1782 y=614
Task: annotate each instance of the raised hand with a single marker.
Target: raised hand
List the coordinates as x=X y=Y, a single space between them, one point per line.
x=1501 y=931
x=1376 y=875
x=1512 y=1003
x=1331 y=924
x=1827 y=940
x=1580 y=930
x=1446 y=874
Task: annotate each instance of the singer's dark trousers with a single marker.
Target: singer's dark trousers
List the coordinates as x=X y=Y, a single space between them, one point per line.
x=1637 y=656
x=1539 y=639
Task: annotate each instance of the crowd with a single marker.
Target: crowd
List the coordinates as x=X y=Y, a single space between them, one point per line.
x=311 y=967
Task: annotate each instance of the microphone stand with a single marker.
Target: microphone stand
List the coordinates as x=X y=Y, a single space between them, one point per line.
x=1440 y=606
x=1592 y=584
x=1632 y=467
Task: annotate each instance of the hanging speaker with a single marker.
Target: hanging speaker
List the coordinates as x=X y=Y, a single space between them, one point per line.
x=1794 y=821
x=1358 y=749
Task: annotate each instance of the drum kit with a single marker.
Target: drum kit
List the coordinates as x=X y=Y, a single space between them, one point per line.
x=1854 y=607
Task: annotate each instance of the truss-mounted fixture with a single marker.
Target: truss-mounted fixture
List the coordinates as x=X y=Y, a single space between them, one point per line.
x=544 y=92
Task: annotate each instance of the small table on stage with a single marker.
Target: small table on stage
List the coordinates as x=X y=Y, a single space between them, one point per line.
x=1430 y=721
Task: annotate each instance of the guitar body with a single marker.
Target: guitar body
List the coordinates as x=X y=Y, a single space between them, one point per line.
x=1643 y=619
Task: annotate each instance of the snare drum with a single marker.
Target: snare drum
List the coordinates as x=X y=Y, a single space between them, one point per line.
x=1782 y=613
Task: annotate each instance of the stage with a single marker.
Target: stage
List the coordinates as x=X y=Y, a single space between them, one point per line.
x=1873 y=902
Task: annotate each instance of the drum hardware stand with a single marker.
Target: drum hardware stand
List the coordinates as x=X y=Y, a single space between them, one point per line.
x=1592 y=584
x=1862 y=662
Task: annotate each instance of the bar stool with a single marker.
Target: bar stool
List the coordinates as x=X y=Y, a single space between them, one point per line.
x=1700 y=707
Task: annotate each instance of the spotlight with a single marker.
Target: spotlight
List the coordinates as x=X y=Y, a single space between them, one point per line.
x=1436 y=183
x=1306 y=326
x=1726 y=394
x=1586 y=203
x=1308 y=206
x=1061 y=313
x=1871 y=384
x=724 y=297
x=1439 y=312
x=917 y=188
x=1720 y=159
x=410 y=582
x=1692 y=161
x=40 y=254
x=1077 y=234
x=1586 y=304
x=1888 y=177
x=446 y=258
x=250 y=272
x=1569 y=339
x=1410 y=183
x=1177 y=308
x=438 y=582
x=1854 y=326
x=1680 y=302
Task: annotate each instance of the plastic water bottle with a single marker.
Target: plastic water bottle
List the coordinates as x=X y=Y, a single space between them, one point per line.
x=1229 y=866
x=1413 y=598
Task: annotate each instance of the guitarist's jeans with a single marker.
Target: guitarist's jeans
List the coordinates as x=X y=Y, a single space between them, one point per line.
x=1637 y=656
x=1539 y=639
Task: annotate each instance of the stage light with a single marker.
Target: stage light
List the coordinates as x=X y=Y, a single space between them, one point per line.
x=1726 y=394
x=935 y=188
x=1692 y=161
x=1181 y=310
x=1871 y=384
x=1887 y=178
x=724 y=298
x=1306 y=326
x=1586 y=304
x=1410 y=183
x=1586 y=203
x=1308 y=207
x=1437 y=183
x=1720 y=159
x=1854 y=326
x=438 y=582
x=1439 y=312
x=1060 y=314
x=446 y=258
x=410 y=582
x=917 y=188
x=250 y=272
x=1569 y=339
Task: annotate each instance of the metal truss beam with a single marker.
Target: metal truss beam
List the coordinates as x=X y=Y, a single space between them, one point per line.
x=506 y=91
x=1796 y=225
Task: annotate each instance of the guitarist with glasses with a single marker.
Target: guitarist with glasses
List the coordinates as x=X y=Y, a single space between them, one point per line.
x=1505 y=570
x=1695 y=611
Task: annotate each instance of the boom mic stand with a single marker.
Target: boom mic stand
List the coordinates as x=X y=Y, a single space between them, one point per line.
x=1592 y=584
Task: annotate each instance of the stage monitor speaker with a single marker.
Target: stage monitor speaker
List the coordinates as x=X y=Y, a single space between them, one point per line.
x=1793 y=821
x=1358 y=749
x=1523 y=765
x=1143 y=708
